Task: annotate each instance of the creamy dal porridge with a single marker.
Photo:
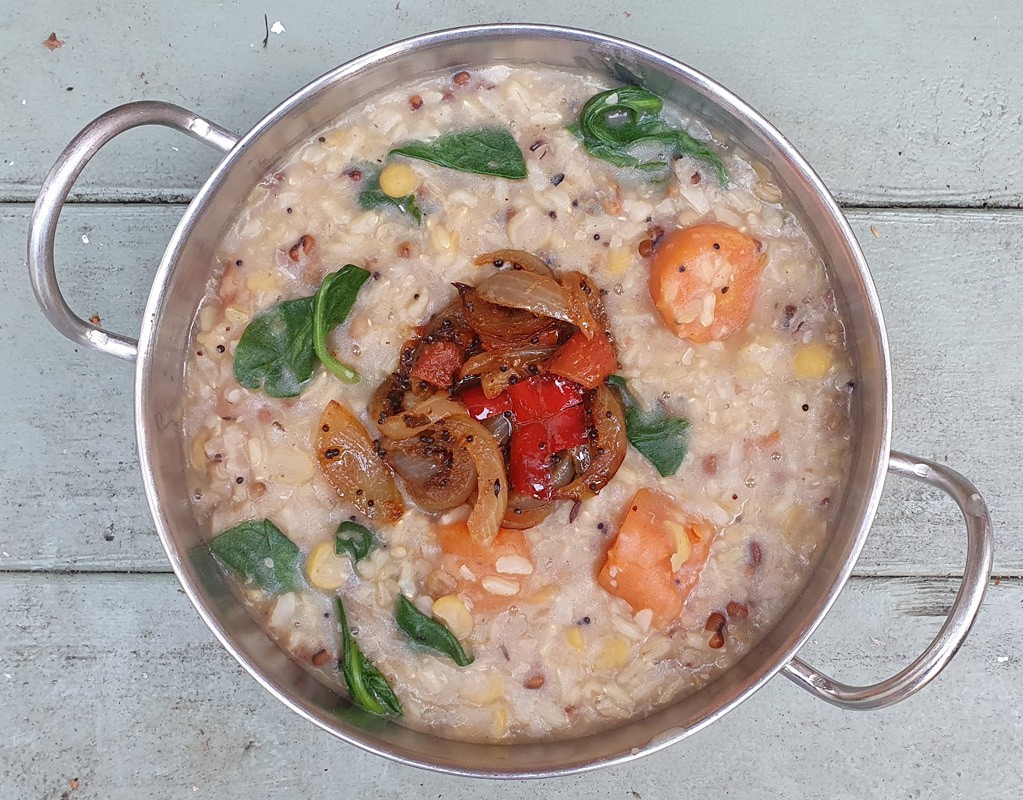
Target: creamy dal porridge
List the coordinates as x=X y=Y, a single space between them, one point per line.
x=517 y=404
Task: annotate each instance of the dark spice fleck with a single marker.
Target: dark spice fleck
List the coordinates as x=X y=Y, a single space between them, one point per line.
x=596 y=237
x=239 y=479
x=575 y=510
x=331 y=453
x=681 y=267
x=536 y=145
x=238 y=263
x=288 y=209
x=805 y=407
x=724 y=290
x=221 y=348
x=717 y=246
x=556 y=179
x=497 y=487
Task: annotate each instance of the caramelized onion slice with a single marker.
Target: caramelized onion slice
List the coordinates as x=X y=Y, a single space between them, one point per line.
x=607 y=449
x=480 y=445
x=349 y=461
x=516 y=258
x=438 y=476
x=526 y=512
x=582 y=295
x=497 y=323
x=539 y=294
x=498 y=368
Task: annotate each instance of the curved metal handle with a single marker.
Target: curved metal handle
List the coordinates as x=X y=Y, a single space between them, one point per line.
x=54 y=193
x=939 y=652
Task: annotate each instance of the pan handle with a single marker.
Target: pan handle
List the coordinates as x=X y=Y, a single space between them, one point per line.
x=939 y=652
x=54 y=193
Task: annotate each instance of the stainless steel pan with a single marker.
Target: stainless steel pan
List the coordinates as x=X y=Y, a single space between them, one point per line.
x=160 y=351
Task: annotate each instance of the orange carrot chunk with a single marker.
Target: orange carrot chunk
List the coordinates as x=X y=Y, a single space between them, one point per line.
x=475 y=566
x=704 y=280
x=657 y=558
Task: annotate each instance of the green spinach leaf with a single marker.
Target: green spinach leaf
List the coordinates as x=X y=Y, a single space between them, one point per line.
x=276 y=351
x=663 y=440
x=489 y=151
x=367 y=686
x=354 y=539
x=259 y=552
x=373 y=197
x=429 y=632
x=331 y=305
x=623 y=126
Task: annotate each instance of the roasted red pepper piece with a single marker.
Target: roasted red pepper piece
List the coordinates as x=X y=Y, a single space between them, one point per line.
x=530 y=467
x=548 y=416
x=481 y=407
x=588 y=362
x=438 y=363
x=566 y=429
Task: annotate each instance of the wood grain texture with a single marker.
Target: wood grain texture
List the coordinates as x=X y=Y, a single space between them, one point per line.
x=113 y=680
x=71 y=496
x=919 y=107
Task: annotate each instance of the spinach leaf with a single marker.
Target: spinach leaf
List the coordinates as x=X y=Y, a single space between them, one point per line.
x=259 y=552
x=366 y=684
x=373 y=197
x=429 y=632
x=355 y=539
x=614 y=125
x=489 y=151
x=663 y=440
x=276 y=350
x=331 y=305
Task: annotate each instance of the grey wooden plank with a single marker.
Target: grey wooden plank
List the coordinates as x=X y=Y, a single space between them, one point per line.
x=114 y=681
x=886 y=114
x=947 y=280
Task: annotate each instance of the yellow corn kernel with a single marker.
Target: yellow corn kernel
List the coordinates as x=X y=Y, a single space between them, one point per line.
x=398 y=180
x=619 y=260
x=812 y=361
x=450 y=610
x=574 y=636
x=614 y=654
x=325 y=569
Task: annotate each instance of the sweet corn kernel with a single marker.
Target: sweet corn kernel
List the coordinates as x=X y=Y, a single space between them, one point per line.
x=812 y=361
x=614 y=654
x=619 y=260
x=398 y=180
x=450 y=610
x=325 y=569
x=574 y=636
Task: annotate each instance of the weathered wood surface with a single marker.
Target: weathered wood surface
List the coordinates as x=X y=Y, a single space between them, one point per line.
x=71 y=496
x=113 y=680
x=917 y=107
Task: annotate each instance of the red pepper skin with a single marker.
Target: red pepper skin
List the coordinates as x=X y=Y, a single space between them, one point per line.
x=529 y=470
x=588 y=362
x=481 y=407
x=567 y=429
x=548 y=416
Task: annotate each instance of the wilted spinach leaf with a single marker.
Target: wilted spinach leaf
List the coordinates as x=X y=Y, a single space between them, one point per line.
x=259 y=552
x=489 y=151
x=331 y=305
x=354 y=539
x=663 y=440
x=366 y=684
x=614 y=125
x=429 y=632
x=275 y=353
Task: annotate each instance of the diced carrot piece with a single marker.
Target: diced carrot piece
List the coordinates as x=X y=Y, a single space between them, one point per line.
x=588 y=362
x=657 y=558
x=704 y=280
x=474 y=566
x=438 y=363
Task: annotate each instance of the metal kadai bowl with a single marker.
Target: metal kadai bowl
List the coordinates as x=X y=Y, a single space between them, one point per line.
x=159 y=356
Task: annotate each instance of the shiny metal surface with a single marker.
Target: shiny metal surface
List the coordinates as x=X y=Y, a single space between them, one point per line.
x=927 y=666
x=55 y=191
x=179 y=285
